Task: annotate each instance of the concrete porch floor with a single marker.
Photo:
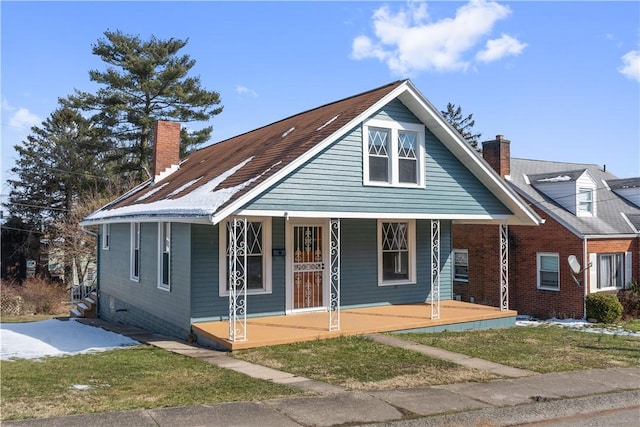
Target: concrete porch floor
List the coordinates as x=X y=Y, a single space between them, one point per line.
x=276 y=330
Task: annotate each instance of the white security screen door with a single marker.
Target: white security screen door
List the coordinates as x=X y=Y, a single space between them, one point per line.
x=308 y=266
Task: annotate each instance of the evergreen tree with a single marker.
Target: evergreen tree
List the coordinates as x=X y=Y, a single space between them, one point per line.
x=56 y=163
x=145 y=81
x=464 y=125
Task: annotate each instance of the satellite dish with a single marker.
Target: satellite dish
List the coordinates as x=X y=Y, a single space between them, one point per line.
x=574 y=264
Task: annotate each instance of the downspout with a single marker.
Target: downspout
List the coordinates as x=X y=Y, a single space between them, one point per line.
x=585 y=278
x=97 y=236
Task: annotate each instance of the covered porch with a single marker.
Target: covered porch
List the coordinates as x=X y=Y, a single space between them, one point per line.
x=276 y=330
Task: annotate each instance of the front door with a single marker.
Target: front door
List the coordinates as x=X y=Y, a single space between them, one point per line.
x=308 y=264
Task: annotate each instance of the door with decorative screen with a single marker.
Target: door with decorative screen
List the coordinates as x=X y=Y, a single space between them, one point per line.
x=308 y=266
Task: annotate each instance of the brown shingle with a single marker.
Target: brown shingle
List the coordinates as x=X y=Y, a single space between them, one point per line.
x=271 y=148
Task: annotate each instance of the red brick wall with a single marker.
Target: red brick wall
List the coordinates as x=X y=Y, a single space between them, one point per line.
x=166 y=151
x=525 y=242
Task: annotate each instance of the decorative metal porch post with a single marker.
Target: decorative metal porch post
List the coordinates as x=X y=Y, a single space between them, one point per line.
x=435 y=269
x=334 y=303
x=504 y=267
x=237 y=279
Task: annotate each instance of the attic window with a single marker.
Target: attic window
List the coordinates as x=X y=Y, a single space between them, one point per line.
x=393 y=154
x=585 y=202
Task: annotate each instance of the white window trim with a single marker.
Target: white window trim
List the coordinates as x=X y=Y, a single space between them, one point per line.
x=266 y=258
x=582 y=212
x=625 y=256
x=538 y=256
x=394 y=127
x=161 y=236
x=106 y=236
x=412 y=253
x=454 y=265
x=135 y=240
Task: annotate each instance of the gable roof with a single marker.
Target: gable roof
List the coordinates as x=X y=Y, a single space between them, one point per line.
x=216 y=181
x=615 y=214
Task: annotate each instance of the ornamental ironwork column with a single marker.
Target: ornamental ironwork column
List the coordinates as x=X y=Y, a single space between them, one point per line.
x=237 y=235
x=435 y=269
x=334 y=295
x=504 y=267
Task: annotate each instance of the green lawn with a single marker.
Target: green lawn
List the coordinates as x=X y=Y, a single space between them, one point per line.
x=540 y=349
x=359 y=363
x=139 y=377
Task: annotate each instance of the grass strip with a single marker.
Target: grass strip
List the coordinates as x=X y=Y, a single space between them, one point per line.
x=139 y=377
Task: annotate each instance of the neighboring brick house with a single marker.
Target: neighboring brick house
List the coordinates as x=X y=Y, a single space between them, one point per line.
x=588 y=213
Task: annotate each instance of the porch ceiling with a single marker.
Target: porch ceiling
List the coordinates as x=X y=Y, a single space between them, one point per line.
x=276 y=330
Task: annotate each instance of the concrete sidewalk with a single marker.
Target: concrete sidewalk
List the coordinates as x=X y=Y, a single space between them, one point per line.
x=524 y=398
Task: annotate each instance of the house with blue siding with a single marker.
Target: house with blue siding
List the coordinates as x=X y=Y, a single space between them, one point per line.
x=350 y=204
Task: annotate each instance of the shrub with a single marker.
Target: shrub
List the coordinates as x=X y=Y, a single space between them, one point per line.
x=35 y=296
x=605 y=308
x=630 y=300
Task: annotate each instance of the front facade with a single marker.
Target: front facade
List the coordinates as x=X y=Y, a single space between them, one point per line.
x=588 y=214
x=347 y=205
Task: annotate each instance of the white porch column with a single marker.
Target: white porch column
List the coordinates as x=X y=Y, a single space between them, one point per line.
x=334 y=295
x=504 y=266
x=435 y=269
x=237 y=233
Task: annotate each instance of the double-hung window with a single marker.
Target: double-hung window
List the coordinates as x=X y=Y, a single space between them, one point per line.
x=396 y=252
x=256 y=241
x=461 y=265
x=585 y=202
x=611 y=271
x=135 y=252
x=393 y=154
x=548 y=271
x=106 y=236
x=164 y=256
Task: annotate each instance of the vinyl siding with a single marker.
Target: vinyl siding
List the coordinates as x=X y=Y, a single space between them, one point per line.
x=126 y=299
x=359 y=265
x=333 y=182
x=206 y=302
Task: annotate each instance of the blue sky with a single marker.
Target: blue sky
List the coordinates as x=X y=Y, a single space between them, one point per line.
x=561 y=80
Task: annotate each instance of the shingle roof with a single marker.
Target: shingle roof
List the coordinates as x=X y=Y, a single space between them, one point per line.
x=610 y=206
x=623 y=183
x=252 y=157
x=560 y=176
x=218 y=180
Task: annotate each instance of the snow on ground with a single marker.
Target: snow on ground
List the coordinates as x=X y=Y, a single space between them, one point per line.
x=581 y=325
x=53 y=337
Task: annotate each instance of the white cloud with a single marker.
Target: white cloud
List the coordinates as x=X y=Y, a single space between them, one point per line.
x=409 y=41
x=631 y=65
x=243 y=89
x=499 y=48
x=24 y=119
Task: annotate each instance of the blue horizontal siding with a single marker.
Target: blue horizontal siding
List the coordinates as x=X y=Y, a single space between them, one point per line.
x=333 y=182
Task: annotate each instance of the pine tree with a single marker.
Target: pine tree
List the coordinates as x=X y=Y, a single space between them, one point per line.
x=56 y=163
x=464 y=125
x=145 y=81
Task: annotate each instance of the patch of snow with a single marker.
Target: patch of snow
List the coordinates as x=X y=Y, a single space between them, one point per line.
x=559 y=178
x=165 y=173
x=288 y=132
x=152 y=192
x=80 y=387
x=34 y=340
x=204 y=200
x=328 y=122
x=581 y=325
x=184 y=187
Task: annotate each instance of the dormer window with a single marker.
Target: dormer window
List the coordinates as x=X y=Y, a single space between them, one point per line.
x=393 y=154
x=585 y=202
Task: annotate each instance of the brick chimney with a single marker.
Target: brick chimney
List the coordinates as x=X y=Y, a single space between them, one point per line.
x=498 y=154
x=166 y=150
